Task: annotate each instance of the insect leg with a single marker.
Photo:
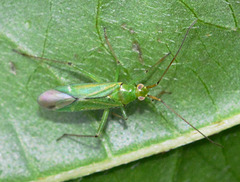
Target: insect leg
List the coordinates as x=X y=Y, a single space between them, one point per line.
x=84 y=72
x=178 y=115
x=114 y=55
x=103 y=122
x=153 y=69
x=157 y=63
x=162 y=93
x=124 y=114
x=117 y=115
x=154 y=85
x=99 y=131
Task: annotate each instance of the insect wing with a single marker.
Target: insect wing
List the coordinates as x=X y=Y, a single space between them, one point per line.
x=87 y=96
x=89 y=90
x=53 y=99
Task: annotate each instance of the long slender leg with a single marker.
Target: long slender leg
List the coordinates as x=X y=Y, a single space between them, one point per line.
x=154 y=85
x=153 y=69
x=118 y=69
x=84 y=72
x=178 y=115
x=103 y=122
x=117 y=115
x=124 y=114
x=162 y=93
x=114 y=55
x=157 y=63
x=99 y=131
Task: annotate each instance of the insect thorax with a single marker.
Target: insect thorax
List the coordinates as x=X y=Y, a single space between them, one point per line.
x=128 y=93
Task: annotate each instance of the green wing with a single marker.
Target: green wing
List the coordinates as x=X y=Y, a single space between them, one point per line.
x=90 y=96
x=89 y=90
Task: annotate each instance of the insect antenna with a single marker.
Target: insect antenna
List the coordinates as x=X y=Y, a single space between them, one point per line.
x=154 y=85
x=67 y=63
x=171 y=109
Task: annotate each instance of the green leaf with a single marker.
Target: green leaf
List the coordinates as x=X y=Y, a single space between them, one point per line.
x=204 y=86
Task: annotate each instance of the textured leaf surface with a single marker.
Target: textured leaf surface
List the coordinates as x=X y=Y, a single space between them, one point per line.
x=204 y=86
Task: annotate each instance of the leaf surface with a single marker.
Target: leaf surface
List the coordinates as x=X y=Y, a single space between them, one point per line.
x=204 y=86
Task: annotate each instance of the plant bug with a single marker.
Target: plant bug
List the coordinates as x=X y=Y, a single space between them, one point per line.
x=96 y=96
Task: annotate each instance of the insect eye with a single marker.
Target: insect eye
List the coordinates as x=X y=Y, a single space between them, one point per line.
x=141 y=98
x=140 y=86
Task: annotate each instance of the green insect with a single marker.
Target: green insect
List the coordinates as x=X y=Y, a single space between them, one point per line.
x=96 y=96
